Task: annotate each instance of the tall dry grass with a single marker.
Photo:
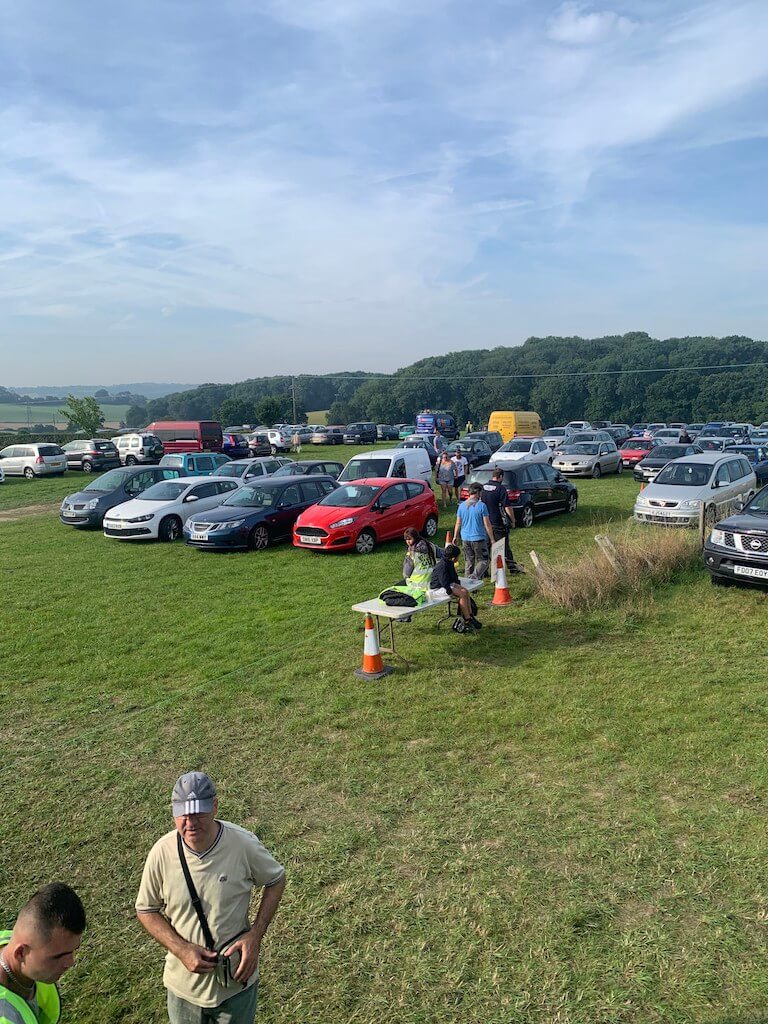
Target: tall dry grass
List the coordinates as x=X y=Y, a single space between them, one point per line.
x=642 y=558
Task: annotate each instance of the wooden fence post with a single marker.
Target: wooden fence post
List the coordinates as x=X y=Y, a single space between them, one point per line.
x=609 y=551
x=536 y=564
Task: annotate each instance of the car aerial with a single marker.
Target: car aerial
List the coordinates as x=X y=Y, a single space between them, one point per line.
x=533 y=488
x=161 y=511
x=418 y=441
x=404 y=430
x=361 y=514
x=492 y=438
x=649 y=467
x=307 y=467
x=136 y=448
x=757 y=456
x=195 y=463
x=89 y=506
x=387 y=432
x=31 y=460
x=589 y=458
x=247 y=470
x=529 y=449
x=476 y=452
x=737 y=547
x=328 y=435
x=636 y=448
x=90 y=455
x=258 y=443
x=360 y=433
x=685 y=486
x=257 y=514
x=557 y=436
x=236 y=446
x=714 y=444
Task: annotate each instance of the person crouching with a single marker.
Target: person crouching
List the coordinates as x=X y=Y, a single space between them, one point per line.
x=445 y=581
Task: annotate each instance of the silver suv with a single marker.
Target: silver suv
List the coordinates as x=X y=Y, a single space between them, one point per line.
x=31 y=460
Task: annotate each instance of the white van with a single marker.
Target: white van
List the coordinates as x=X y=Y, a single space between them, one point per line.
x=408 y=463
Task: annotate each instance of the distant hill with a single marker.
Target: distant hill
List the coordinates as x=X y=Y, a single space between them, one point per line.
x=148 y=389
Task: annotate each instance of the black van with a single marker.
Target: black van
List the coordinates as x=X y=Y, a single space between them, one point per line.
x=360 y=433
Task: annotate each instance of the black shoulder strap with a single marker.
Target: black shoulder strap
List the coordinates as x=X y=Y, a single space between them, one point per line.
x=209 y=943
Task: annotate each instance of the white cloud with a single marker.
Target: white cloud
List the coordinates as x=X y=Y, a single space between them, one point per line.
x=572 y=24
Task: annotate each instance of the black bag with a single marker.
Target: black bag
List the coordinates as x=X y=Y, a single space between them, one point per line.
x=396 y=599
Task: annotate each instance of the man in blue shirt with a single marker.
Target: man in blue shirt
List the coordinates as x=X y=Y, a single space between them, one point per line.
x=473 y=528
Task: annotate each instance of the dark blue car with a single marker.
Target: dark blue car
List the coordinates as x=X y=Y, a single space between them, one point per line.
x=235 y=446
x=758 y=459
x=257 y=514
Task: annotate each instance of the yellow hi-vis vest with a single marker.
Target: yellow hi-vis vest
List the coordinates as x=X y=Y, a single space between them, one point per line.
x=422 y=571
x=15 y=1010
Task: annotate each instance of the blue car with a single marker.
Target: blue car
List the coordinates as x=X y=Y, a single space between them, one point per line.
x=257 y=514
x=195 y=463
x=235 y=446
x=758 y=459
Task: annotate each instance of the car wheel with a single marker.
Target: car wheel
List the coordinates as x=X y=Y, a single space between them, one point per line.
x=87 y=466
x=619 y=468
x=29 y=473
x=573 y=501
x=430 y=527
x=366 y=542
x=130 y=460
x=527 y=516
x=596 y=471
x=258 y=538
x=170 y=529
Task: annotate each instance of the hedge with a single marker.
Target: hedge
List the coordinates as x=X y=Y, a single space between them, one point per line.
x=60 y=437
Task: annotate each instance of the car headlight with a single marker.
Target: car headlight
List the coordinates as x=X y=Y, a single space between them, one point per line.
x=343 y=522
x=642 y=501
x=718 y=537
x=692 y=503
x=92 y=503
x=231 y=524
x=142 y=519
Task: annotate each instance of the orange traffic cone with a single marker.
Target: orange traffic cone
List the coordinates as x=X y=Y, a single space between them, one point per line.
x=373 y=663
x=501 y=595
x=448 y=538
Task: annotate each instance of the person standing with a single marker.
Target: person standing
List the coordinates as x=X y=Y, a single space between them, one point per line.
x=296 y=442
x=501 y=514
x=37 y=952
x=460 y=467
x=216 y=864
x=473 y=526
x=445 y=475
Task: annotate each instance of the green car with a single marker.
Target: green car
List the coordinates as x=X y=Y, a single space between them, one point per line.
x=404 y=430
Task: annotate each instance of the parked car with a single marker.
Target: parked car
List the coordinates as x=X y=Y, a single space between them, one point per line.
x=386 y=432
x=757 y=456
x=236 y=446
x=529 y=449
x=555 y=437
x=405 y=463
x=259 y=444
x=418 y=441
x=668 y=435
x=248 y=470
x=279 y=441
x=601 y=424
x=360 y=433
x=93 y=454
x=678 y=493
x=708 y=443
x=187 y=435
x=588 y=435
x=737 y=547
x=404 y=430
x=89 y=506
x=309 y=466
x=492 y=438
x=159 y=513
x=636 y=448
x=533 y=488
x=619 y=432
x=477 y=453
x=31 y=460
x=328 y=435
x=694 y=429
x=143 y=448
x=653 y=428
x=649 y=467
x=359 y=515
x=575 y=425
x=590 y=458
x=637 y=429
x=2 y=475
x=257 y=514
x=195 y=463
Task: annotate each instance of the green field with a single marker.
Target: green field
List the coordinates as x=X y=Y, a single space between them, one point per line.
x=321 y=416
x=561 y=819
x=15 y=415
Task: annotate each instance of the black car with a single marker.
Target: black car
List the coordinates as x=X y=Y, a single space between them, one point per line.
x=492 y=438
x=534 y=489
x=308 y=467
x=360 y=433
x=259 y=444
x=476 y=452
x=87 y=507
x=619 y=434
x=257 y=514
x=737 y=548
x=416 y=441
x=93 y=454
x=236 y=446
x=386 y=432
x=651 y=465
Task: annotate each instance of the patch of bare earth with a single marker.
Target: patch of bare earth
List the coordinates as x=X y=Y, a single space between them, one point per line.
x=10 y=515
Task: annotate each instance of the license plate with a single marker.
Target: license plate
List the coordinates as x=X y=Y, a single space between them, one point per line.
x=627 y=462
x=199 y=535
x=749 y=570
x=71 y=513
x=664 y=512
x=115 y=524
x=56 y=465
x=309 y=540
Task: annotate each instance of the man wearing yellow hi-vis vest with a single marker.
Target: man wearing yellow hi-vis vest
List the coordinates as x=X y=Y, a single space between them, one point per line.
x=35 y=954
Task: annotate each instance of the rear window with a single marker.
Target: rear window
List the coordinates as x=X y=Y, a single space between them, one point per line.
x=232 y=469
x=103 y=446
x=50 y=449
x=516 y=446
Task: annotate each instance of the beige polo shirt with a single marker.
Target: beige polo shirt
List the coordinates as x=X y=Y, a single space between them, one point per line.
x=224 y=877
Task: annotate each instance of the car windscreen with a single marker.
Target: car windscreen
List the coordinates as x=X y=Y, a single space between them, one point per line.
x=362 y=469
x=669 y=451
x=638 y=446
x=109 y=481
x=231 y=469
x=351 y=496
x=253 y=497
x=168 y=490
x=555 y=432
x=583 y=449
x=173 y=460
x=759 y=503
x=516 y=446
x=685 y=474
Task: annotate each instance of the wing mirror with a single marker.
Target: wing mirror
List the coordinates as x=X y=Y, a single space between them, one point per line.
x=738 y=505
x=191 y=497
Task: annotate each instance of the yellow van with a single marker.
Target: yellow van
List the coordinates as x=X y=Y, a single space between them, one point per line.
x=526 y=424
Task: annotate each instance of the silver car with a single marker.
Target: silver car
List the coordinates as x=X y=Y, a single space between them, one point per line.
x=31 y=460
x=528 y=449
x=589 y=458
x=676 y=496
x=557 y=436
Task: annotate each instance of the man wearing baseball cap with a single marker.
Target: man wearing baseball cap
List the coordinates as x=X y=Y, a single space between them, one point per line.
x=193 y=899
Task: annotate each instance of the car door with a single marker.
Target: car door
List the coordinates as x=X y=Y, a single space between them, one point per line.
x=391 y=511
x=10 y=460
x=740 y=473
x=287 y=508
x=204 y=465
x=140 y=482
x=538 y=487
x=557 y=496
x=202 y=497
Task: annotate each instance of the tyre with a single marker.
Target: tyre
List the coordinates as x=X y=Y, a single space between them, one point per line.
x=130 y=460
x=430 y=527
x=573 y=501
x=29 y=473
x=170 y=529
x=526 y=517
x=258 y=538
x=597 y=472
x=87 y=466
x=620 y=468
x=366 y=542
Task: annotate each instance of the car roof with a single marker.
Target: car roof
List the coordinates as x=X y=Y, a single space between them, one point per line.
x=389 y=453
x=708 y=458
x=284 y=481
x=381 y=481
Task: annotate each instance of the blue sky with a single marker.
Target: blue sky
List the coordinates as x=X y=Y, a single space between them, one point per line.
x=210 y=191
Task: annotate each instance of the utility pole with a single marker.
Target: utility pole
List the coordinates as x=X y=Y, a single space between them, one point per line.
x=293 y=398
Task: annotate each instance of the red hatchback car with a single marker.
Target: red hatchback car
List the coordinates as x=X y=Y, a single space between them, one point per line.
x=358 y=515
x=636 y=448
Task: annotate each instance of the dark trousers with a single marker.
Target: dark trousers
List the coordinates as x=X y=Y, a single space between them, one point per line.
x=500 y=532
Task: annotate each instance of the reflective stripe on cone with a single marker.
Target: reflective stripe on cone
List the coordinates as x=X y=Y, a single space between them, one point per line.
x=501 y=595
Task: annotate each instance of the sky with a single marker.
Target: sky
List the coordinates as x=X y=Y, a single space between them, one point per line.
x=218 y=190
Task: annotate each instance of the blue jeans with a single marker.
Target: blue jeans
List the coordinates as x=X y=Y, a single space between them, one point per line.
x=239 y=1009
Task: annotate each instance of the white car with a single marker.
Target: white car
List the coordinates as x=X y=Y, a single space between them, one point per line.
x=2 y=475
x=160 y=512
x=530 y=449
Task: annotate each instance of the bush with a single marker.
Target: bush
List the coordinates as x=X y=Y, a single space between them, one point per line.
x=642 y=557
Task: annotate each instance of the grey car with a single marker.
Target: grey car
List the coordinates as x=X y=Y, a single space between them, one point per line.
x=589 y=458
x=31 y=460
x=87 y=507
x=684 y=486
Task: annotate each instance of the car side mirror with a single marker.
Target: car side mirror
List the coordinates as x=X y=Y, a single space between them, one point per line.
x=191 y=497
x=738 y=505
x=715 y=483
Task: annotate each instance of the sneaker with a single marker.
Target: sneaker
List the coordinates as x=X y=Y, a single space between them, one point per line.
x=476 y=623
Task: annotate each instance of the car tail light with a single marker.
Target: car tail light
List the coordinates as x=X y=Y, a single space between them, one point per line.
x=464 y=492
x=94 y=452
x=514 y=495
x=39 y=460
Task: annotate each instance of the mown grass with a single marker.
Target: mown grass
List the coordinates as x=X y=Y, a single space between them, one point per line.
x=561 y=819
x=13 y=414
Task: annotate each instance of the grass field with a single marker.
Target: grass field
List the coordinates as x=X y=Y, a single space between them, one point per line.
x=320 y=416
x=15 y=415
x=562 y=819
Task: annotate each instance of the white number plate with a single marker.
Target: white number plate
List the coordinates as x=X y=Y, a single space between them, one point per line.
x=627 y=462
x=749 y=570
x=664 y=512
x=71 y=513
x=199 y=535
x=115 y=524
x=309 y=540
